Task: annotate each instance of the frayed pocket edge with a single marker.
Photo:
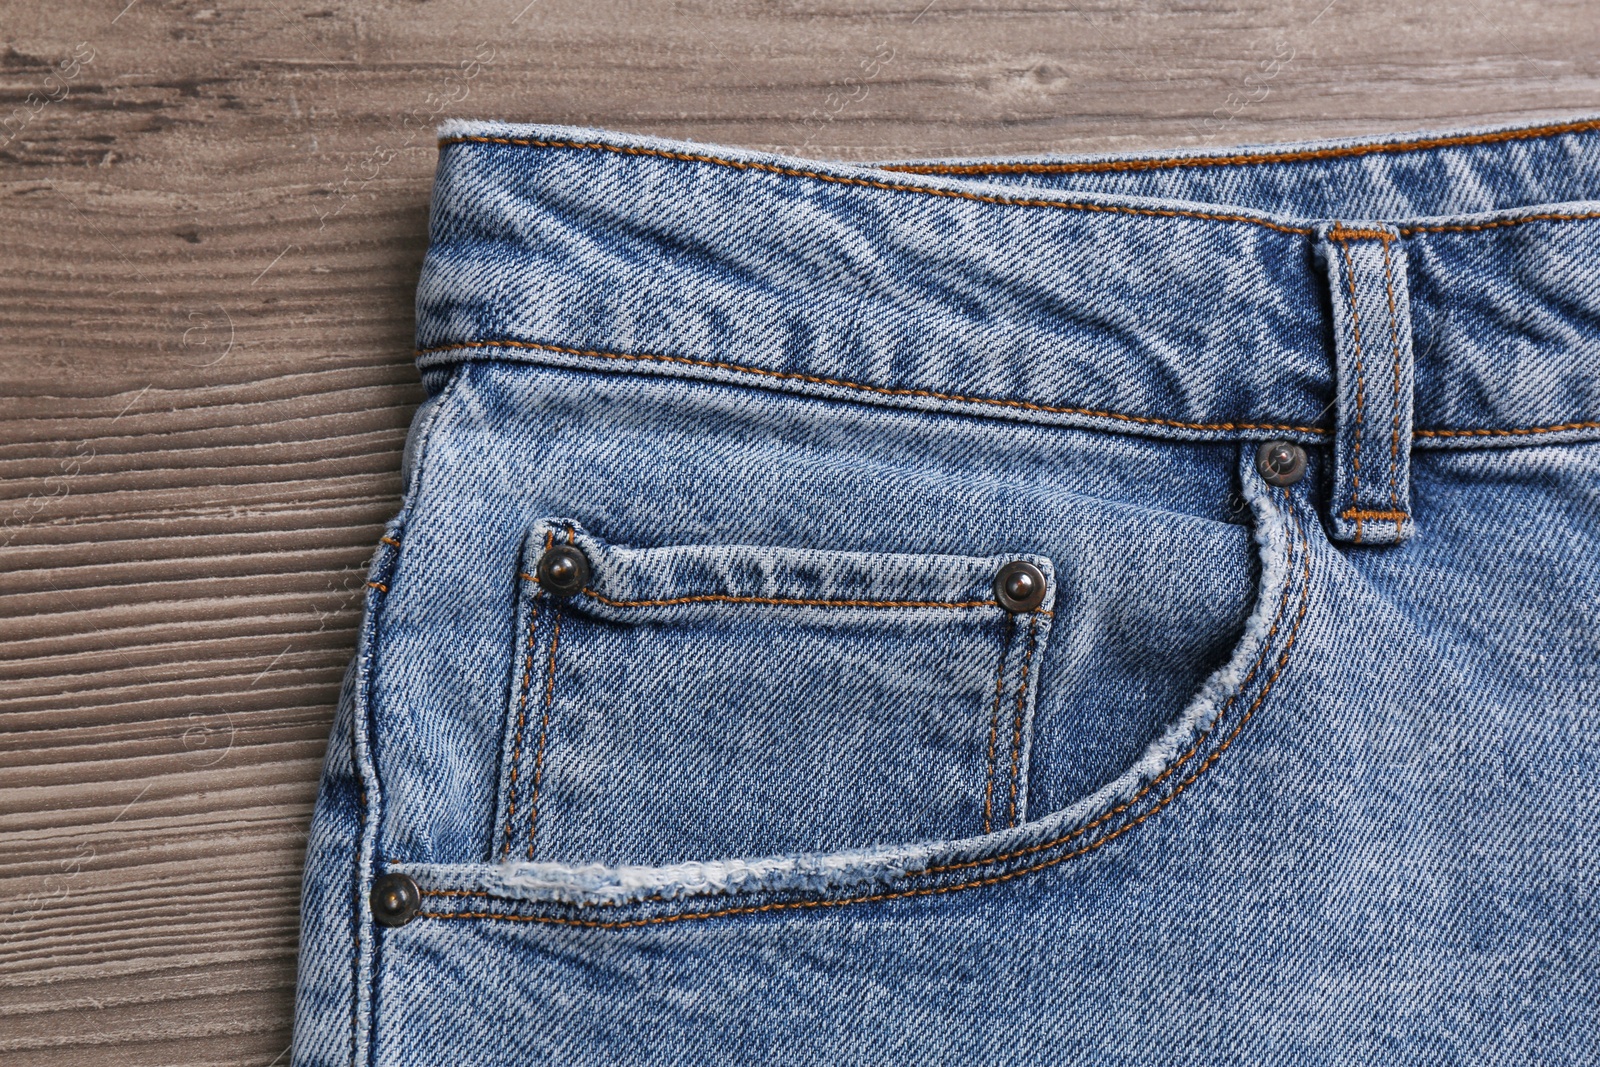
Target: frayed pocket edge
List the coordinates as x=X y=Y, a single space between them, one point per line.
x=596 y=884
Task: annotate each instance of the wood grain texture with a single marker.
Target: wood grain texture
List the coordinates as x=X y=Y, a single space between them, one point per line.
x=213 y=220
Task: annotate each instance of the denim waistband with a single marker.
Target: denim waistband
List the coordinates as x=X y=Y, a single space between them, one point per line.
x=1182 y=296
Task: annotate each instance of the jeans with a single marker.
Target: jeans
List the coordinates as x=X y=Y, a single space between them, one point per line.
x=1071 y=611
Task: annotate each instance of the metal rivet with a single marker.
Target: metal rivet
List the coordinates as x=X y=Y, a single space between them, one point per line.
x=1281 y=462
x=563 y=570
x=395 y=899
x=1020 y=586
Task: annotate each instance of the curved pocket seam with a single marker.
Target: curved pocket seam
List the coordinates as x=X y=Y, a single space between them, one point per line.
x=1293 y=532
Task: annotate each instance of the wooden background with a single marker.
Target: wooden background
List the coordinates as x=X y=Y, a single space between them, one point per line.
x=212 y=216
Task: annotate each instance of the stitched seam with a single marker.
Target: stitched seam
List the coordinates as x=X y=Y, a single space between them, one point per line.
x=1361 y=380
x=1368 y=513
x=1508 y=433
x=1016 y=727
x=1500 y=224
x=544 y=723
x=1283 y=662
x=723 y=598
x=1341 y=233
x=1317 y=431
x=812 y=379
x=522 y=718
x=1222 y=713
x=544 y=719
x=365 y=764
x=379 y=586
x=1272 y=632
x=356 y=927
x=1251 y=158
x=389 y=541
x=1394 y=428
x=868 y=183
x=994 y=722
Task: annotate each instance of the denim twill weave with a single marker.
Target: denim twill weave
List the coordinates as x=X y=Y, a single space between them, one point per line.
x=1275 y=774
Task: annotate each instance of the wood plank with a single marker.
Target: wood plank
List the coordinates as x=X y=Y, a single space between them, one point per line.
x=214 y=221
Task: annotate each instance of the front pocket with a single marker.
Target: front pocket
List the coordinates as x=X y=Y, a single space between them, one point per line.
x=702 y=702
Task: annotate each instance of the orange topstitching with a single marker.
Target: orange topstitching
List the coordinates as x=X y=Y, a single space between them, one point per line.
x=1272 y=632
x=544 y=725
x=1206 y=764
x=1024 y=405
x=1361 y=380
x=1593 y=425
x=1250 y=158
x=522 y=718
x=896 y=187
x=1016 y=729
x=1114 y=209
x=813 y=379
x=994 y=723
x=544 y=716
x=1342 y=233
x=1394 y=422
x=1500 y=224
x=1367 y=513
x=724 y=598
x=802 y=602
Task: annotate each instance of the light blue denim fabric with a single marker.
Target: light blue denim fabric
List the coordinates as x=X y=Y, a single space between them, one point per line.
x=1302 y=774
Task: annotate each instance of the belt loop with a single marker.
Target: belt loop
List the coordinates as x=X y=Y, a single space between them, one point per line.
x=1371 y=499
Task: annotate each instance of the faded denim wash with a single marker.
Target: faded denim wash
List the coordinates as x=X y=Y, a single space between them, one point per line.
x=1270 y=774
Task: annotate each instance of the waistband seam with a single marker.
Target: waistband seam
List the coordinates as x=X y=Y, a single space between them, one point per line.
x=1500 y=224
x=839 y=179
x=1419 y=144
x=1003 y=402
x=840 y=383
x=1593 y=424
x=995 y=198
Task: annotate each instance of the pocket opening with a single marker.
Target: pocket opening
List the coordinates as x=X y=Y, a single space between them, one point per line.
x=1193 y=741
